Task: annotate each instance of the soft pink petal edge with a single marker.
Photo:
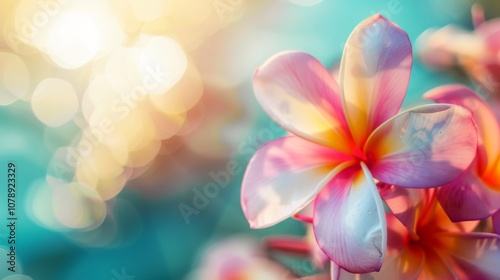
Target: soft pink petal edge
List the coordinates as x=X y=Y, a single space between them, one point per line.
x=283 y=177
x=300 y=94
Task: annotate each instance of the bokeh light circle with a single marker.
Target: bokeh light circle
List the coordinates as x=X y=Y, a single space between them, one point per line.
x=148 y=10
x=73 y=40
x=14 y=78
x=54 y=102
x=78 y=206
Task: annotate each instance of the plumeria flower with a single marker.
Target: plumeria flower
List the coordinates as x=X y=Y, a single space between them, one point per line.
x=476 y=193
x=477 y=52
x=344 y=136
x=434 y=247
x=238 y=258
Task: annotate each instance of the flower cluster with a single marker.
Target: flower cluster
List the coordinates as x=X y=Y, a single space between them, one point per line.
x=475 y=52
x=397 y=195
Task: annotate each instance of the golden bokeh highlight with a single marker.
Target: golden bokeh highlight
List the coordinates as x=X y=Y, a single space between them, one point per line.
x=74 y=40
x=14 y=78
x=54 y=102
x=78 y=206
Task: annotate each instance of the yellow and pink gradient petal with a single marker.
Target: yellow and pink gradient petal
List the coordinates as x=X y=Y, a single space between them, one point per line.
x=306 y=101
x=374 y=74
x=283 y=177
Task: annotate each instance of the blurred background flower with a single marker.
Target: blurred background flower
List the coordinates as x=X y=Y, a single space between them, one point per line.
x=238 y=258
x=473 y=51
x=131 y=122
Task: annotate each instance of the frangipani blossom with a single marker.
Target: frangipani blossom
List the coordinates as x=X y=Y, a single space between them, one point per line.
x=476 y=193
x=435 y=249
x=344 y=136
x=477 y=52
x=238 y=258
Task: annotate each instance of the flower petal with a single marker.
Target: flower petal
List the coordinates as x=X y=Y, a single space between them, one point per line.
x=349 y=221
x=490 y=32
x=478 y=254
x=487 y=124
x=283 y=176
x=468 y=198
x=299 y=94
x=447 y=46
x=496 y=222
x=491 y=177
x=427 y=146
x=406 y=265
x=405 y=204
x=374 y=74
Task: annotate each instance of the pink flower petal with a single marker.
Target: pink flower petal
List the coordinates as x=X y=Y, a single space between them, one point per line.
x=427 y=146
x=468 y=198
x=477 y=254
x=374 y=74
x=349 y=221
x=490 y=32
x=405 y=204
x=448 y=46
x=487 y=124
x=283 y=176
x=496 y=222
x=299 y=94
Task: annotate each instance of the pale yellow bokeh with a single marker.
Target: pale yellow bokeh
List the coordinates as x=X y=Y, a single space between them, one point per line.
x=183 y=96
x=151 y=67
x=38 y=199
x=54 y=102
x=167 y=125
x=99 y=162
x=14 y=78
x=148 y=10
x=145 y=155
x=78 y=206
x=110 y=187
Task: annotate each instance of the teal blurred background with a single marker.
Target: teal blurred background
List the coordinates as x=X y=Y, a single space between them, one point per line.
x=153 y=239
